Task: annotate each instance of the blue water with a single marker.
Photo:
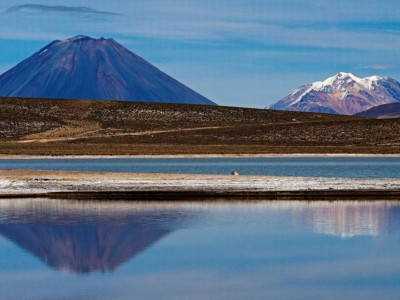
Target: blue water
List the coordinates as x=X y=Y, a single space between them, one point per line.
x=349 y=167
x=266 y=250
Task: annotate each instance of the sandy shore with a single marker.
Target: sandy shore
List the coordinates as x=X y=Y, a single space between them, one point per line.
x=30 y=182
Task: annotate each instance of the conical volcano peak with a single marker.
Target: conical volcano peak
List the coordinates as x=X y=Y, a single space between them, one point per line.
x=83 y=67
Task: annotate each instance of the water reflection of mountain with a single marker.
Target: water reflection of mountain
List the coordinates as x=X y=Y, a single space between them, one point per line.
x=350 y=219
x=83 y=238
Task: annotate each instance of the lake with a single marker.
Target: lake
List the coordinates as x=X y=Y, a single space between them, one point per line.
x=52 y=249
x=339 y=167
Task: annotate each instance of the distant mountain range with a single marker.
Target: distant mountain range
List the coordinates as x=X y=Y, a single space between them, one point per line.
x=99 y=69
x=343 y=94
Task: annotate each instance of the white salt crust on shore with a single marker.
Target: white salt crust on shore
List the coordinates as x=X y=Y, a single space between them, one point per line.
x=187 y=182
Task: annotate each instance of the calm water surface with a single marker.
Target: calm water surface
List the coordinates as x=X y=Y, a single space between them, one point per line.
x=265 y=250
x=349 y=167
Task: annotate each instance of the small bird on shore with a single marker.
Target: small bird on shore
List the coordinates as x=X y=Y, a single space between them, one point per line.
x=234 y=173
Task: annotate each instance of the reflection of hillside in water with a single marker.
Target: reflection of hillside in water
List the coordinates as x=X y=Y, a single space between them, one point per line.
x=350 y=219
x=83 y=237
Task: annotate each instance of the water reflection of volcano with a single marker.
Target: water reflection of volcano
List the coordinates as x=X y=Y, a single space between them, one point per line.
x=350 y=219
x=85 y=237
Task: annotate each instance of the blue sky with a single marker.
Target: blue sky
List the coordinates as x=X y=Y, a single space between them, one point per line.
x=235 y=52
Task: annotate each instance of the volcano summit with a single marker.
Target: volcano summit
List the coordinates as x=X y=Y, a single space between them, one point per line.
x=98 y=69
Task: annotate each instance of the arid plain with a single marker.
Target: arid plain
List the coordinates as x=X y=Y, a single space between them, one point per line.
x=37 y=127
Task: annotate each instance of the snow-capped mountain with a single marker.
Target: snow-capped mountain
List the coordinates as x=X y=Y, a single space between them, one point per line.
x=343 y=94
x=100 y=69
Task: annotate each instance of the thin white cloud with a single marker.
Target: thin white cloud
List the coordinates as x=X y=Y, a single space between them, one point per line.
x=381 y=66
x=34 y=8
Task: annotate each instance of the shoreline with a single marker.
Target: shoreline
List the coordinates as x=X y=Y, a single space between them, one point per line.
x=168 y=187
x=226 y=196
x=294 y=155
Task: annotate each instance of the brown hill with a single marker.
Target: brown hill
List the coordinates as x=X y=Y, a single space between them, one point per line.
x=71 y=127
x=386 y=111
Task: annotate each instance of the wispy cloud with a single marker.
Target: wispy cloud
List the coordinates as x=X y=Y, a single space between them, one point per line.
x=33 y=8
x=381 y=66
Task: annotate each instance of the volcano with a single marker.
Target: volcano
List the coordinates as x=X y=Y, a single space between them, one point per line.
x=93 y=69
